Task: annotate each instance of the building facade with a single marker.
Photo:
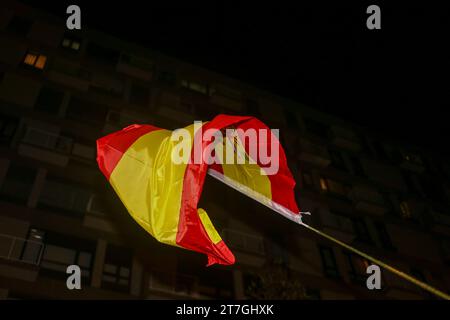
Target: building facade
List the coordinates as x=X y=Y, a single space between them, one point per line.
x=61 y=90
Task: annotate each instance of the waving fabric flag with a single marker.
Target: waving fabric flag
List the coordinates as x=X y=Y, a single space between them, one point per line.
x=162 y=196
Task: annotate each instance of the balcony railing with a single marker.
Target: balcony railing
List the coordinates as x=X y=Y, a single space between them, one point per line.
x=173 y=283
x=19 y=249
x=244 y=241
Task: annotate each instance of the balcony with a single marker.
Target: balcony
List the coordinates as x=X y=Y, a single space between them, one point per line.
x=313 y=153
x=45 y=146
x=96 y=216
x=70 y=75
x=135 y=67
x=20 y=258
x=337 y=226
x=345 y=138
x=368 y=200
x=173 y=285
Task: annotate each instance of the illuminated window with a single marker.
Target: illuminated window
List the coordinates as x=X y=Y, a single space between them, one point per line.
x=70 y=42
x=405 y=210
x=35 y=60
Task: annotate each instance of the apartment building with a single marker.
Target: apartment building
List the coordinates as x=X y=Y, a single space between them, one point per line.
x=61 y=90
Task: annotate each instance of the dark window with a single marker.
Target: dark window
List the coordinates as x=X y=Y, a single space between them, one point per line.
x=412 y=188
x=71 y=42
x=139 y=95
x=49 y=100
x=19 y=26
x=18 y=183
x=357 y=268
x=252 y=107
x=65 y=197
x=383 y=236
x=8 y=127
x=329 y=264
x=361 y=231
x=216 y=283
x=167 y=77
x=117 y=269
x=34 y=246
x=86 y=111
x=62 y=251
x=102 y=54
x=358 y=169
x=337 y=161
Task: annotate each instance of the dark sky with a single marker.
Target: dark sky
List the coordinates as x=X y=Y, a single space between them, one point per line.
x=394 y=80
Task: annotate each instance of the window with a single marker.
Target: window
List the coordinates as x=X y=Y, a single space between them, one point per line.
x=35 y=60
x=410 y=184
x=19 y=26
x=61 y=251
x=18 y=183
x=49 y=100
x=337 y=161
x=383 y=236
x=333 y=187
x=87 y=111
x=361 y=231
x=195 y=86
x=106 y=84
x=358 y=169
x=64 y=197
x=139 y=95
x=329 y=264
x=33 y=247
x=102 y=54
x=71 y=43
x=117 y=268
x=8 y=127
x=357 y=268
x=167 y=77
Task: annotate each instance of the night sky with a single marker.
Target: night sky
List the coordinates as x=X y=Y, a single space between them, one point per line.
x=393 y=80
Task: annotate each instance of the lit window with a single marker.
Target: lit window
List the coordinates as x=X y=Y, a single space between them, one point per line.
x=404 y=210
x=35 y=60
x=70 y=42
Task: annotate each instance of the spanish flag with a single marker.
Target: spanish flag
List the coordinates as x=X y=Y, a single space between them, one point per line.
x=162 y=196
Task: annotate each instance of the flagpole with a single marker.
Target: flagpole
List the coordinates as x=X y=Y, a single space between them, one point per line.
x=297 y=218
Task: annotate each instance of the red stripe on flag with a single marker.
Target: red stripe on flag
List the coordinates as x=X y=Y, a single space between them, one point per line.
x=111 y=148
